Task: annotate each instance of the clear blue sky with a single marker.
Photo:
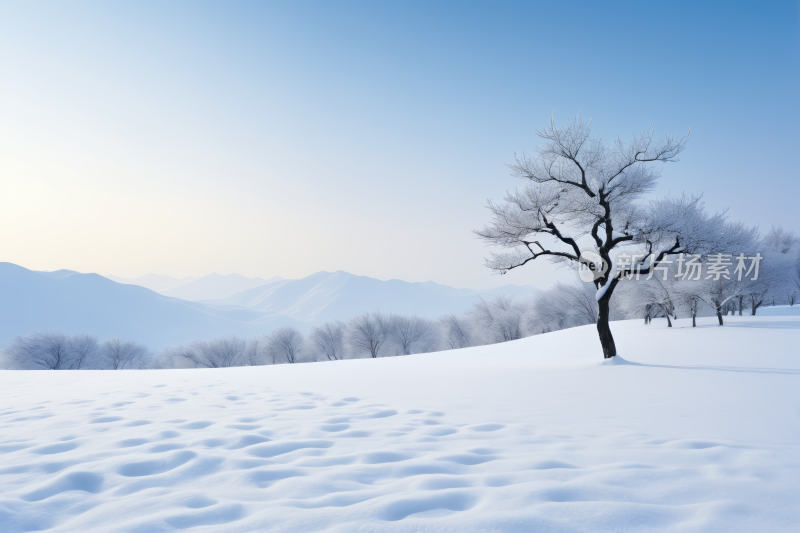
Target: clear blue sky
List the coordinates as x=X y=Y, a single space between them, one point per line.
x=284 y=138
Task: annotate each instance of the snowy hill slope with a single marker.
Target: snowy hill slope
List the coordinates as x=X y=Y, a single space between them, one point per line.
x=340 y=295
x=780 y=310
x=698 y=431
x=74 y=302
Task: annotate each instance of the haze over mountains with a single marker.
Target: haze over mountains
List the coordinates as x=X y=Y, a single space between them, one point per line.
x=208 y=287
x=339 y=295
x=74 y=302
x=154 y=282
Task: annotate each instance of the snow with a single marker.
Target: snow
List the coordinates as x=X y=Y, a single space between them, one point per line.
x=602 y=290
x=695 y=430
x=778 y=310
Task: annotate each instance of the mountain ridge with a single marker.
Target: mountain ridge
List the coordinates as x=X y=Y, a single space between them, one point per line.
x=76 y=302
x=340 y=295
x=154 y=282
x=208 y=287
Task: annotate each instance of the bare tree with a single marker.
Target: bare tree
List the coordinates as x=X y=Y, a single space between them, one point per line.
x=252 y=355
x=223 y=352
x=500 y=319
x=285 y=342
x=689 y=295
x=226 y=351
x=169 y=357
x=659 y=297
x=576 y=183
x=778 y=274
x=455 y=332
x=368 y=332
x=757 y=299
x=508 y=318
x=551 y=312
x=693 y=303
x=48 y=350
x=53 y=350
x=85 y=349
x=720 y=292
x=407 y=331
x=794 y=272
x=579 y=183
x=580 y=300
x=780 y=240
x=118 y=354
x=329 y=338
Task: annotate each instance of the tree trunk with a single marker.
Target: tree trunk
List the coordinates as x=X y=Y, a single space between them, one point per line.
x=740 y=305
x=669 y=322
x=753 y=306
x=604 y=330
x=719 y=316
x=694 y=321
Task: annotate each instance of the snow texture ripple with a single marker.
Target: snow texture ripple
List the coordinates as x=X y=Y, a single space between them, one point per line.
x=696 y=431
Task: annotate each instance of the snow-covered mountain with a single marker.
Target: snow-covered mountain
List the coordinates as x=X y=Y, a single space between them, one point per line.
x=215 y=286
x=154 y=282
x=339 y=295
x=74 y=302
x=210 y=287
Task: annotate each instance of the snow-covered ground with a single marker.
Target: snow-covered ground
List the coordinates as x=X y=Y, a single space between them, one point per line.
x=699 y=431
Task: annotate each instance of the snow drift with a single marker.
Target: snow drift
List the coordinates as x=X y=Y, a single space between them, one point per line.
x=694 y=430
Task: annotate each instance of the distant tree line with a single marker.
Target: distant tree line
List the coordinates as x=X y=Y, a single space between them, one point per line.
x=56 y=350
x=675 y=291
x=367 y=335
x=666 y=295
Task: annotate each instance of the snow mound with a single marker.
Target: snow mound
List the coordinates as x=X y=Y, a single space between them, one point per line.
x=615 y=361
x=698 y=431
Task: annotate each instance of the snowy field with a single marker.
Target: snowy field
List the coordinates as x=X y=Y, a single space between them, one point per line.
x=698 y=431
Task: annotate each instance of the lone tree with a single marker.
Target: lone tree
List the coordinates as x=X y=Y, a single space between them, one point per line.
x=579 y=185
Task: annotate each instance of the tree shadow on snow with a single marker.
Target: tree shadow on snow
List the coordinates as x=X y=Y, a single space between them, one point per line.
x=750 y=370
